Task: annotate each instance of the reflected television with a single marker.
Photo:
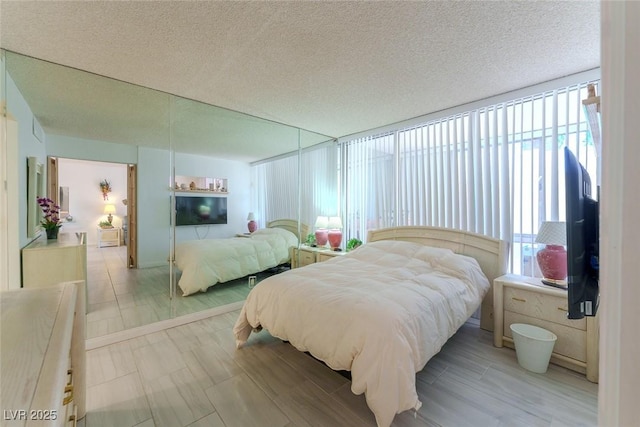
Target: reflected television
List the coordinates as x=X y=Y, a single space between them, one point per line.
x=582 y=240
x=199 y=210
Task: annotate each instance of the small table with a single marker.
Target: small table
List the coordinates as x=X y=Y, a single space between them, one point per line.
x=520 y=299
x=108 y=236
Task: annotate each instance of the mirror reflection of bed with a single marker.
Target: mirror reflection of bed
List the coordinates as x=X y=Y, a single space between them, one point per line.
x=218 y=269
x=141 y=293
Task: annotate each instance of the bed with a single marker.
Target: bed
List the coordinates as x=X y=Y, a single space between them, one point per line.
x=381 y=311
x=206 y=262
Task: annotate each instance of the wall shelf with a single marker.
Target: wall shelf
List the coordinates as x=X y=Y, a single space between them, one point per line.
x=185 y=184
x=212 y=192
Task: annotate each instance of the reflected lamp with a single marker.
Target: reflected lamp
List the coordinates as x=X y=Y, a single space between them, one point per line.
x=252 y=225
x=322 y=222
x=335 y=232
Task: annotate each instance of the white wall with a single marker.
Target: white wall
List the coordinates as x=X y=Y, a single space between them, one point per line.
x=619 y=231
x=238 y=178
x=86 y=204
x=154 y=236
x=91 y=149
x=28 y=146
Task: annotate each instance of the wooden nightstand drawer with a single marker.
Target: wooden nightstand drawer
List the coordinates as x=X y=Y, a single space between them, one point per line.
x=569 y=343
x=323 y=256
x=306 y=258
x=539 y=305
x=309 y=255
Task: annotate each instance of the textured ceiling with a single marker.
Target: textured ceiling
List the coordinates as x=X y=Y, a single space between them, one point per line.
x=335 y=68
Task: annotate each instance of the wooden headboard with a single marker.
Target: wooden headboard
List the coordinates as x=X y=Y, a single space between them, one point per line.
x=292 y=226
x=491 y=254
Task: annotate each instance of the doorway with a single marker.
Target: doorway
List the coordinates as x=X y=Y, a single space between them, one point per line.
x=87 y=202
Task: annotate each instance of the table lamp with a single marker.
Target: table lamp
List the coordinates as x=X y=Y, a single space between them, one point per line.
x=335 y=232
x=552 y=259
x=109 y=210
x=321 y=230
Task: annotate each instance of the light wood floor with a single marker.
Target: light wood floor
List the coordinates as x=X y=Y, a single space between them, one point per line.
x=192 y=375
x=120 y=298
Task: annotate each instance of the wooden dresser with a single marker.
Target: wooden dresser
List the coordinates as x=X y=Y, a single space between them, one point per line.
x=43 y=355
x=520 y=299
x=48 y=262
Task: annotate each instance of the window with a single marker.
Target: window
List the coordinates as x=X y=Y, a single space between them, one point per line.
x=495 y=170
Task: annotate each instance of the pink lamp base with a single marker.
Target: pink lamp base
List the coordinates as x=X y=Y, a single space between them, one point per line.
x=252 y=226
x=321 y=237
x=335 y=238
x=553 y=262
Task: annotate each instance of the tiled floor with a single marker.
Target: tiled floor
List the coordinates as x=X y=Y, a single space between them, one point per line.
x=192 y=375
x=120 y=298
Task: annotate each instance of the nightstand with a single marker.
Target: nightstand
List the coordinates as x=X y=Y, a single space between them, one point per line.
x=308 y=255
x=520 y=299
x=108 y=237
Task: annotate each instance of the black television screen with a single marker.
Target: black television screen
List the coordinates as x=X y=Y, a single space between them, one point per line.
x=197 y=210
x=582 y=240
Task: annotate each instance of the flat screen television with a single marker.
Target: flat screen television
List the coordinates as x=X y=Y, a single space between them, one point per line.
x=201 y=210
x=582 y=240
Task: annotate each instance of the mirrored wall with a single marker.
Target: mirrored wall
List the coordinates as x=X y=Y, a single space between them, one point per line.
x=157 y=155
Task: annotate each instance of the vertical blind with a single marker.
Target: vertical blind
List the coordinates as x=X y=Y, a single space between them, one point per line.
x=274 y=192
x=495 y=170
x=319 y=182
x=275 y=186
x=367 y=172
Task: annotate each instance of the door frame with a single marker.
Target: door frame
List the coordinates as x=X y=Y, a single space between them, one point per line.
x=131 y=242
x=132 y=216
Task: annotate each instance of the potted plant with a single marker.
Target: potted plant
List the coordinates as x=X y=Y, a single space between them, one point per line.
x=105 y=224
x=353 y=243
x=311 y=240
x=51 y=221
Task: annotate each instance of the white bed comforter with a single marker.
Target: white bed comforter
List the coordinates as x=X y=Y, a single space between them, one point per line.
x=206 y=262
x=381 y=312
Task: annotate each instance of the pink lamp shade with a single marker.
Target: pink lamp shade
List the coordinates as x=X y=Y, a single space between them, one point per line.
x=335 y=232
x=252 y=225
x=322 y=235
x=552 y=259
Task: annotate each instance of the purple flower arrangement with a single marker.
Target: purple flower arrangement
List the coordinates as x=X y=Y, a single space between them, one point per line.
x=51 y=212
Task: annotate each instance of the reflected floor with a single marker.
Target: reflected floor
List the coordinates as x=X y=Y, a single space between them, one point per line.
x=120 y=298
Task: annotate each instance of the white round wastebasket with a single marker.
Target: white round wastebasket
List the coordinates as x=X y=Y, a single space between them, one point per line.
x=534 y=346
